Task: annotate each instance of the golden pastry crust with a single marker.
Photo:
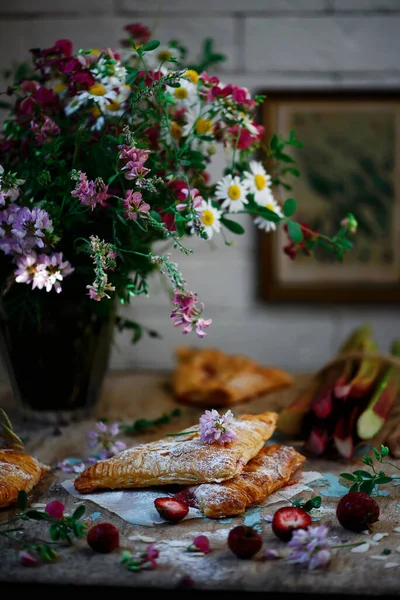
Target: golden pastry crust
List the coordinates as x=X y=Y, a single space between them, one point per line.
x=182 y=459
x=267 y=472
x=210 y=378
x=18 y=471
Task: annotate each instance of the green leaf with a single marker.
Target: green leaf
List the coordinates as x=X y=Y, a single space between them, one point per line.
x=289 y=208
x=367 y=460
x=364 y=474
x=294 y=232
x=152 y=45
x=377 y=455
x=173 y=84
x=22 y=500
x=35 y=515
x=354 y=488
x=384 y=451
x=79 y=512
x=156 y=216
x=383 y=479
x=284 y=157
x=346 y=244
x=276 y=144
x=347 y=476
x=266 y=213
x=54 y=532
x=232 y=226
x=367 y=487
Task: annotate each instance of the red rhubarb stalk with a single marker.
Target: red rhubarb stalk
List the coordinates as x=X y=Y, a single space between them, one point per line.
x=382 y=400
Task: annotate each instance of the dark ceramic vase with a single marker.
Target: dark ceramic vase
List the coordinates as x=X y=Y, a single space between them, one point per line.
x=56 y=357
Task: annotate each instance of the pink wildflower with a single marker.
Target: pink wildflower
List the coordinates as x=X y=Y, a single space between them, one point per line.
x=246 y=139
x=44 y=129
x=187 y=314
x=215 y=427
x=135 y=157
x=90 y=192
x=27 y=560
x=55 y=509
x=152 y=554
x=134 y=205
x=200 y=543
x=195 y=200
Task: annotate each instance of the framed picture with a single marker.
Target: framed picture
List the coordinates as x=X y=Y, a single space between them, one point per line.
x=349 y=162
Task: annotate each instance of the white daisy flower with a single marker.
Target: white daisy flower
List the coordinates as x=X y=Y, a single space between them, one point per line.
x=185 y=95
x=202 y=124
x=161 y=56
x=263 y=223
x=232 y=192
x=257 y=181
x=210 y=218
x=116 y=107
x=98 y=93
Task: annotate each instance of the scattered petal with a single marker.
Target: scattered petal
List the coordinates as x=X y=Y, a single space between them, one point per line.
x=271 y=554
x=397 y=529
x=378 y=557
x=390 y=565
x=362 y=548
x=27 y=560
x=142 y=538
x=398 y=549
x=378 y=536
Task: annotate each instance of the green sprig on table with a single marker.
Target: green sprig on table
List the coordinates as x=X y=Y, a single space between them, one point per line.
x=309 y=504
x=365 y=481
x=142 y=425
x=60 y=530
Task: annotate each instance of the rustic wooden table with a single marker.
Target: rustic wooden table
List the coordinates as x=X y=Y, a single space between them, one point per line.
x=130 y=396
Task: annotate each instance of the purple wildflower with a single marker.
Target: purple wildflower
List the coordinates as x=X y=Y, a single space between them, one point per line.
x=90 y=192
x=215 y=427
x=9 y=187
x=26 y=268
x=135 y=157
x=187 y=313
x=271 y=554
x=12 y=231
x=43 y=129
x=105 y=438
x=310 y=547
x=134 y=205
x=33 y=225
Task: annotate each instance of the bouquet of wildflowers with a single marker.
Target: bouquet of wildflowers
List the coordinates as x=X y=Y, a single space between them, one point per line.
x=104 y=153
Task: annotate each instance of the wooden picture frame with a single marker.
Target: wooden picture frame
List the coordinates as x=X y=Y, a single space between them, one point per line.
x=350 y=139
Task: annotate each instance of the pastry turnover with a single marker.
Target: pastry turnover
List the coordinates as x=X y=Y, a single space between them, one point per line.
x=267 y=472
x=210 y=378
x=181 y=459
x=18 y=471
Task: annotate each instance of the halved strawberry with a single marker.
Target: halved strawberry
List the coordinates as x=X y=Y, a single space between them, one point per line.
x=171 y=509
x=288 y=519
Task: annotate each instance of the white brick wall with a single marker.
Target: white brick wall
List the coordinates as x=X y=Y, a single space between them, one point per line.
x=298 y=44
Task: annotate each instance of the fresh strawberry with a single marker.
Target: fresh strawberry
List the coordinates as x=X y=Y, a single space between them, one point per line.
x=103 y=537
x=287 y=519
x=357 y=511
x=171 y=509
x=244 y=541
